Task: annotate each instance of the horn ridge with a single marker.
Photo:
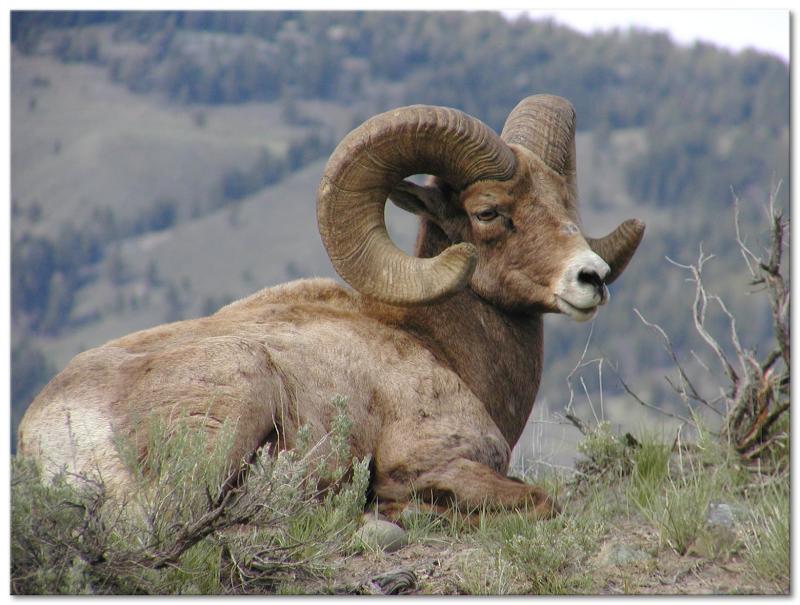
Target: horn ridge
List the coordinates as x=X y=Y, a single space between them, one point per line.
x=545 y=125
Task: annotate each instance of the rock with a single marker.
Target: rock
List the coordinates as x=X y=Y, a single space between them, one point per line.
x=409 y=515
x=723 y=514
x=381 y=535
x=719 y=536
x=623 y=554
x=373 y=515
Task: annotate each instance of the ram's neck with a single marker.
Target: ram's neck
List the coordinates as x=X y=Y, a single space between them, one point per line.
x=497 y=354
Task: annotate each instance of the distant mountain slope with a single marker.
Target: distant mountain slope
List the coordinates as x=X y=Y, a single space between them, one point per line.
x=80 y=142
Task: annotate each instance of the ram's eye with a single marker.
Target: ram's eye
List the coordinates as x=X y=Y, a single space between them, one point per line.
x=487 y=214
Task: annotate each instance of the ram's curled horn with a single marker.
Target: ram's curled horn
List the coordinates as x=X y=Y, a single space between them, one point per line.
x=545 y=125
x=617 y=247
x=365 y=167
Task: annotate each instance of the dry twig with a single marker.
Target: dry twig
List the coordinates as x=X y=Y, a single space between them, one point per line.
x=757 y=393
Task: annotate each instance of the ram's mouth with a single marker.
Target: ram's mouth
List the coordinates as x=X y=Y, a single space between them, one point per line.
x=576 y=313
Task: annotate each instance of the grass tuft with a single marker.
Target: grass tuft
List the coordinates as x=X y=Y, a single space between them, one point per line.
x=768 y=549
x=650 y=471
x=539 y=557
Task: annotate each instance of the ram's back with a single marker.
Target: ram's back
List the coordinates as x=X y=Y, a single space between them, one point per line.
x=264 y=365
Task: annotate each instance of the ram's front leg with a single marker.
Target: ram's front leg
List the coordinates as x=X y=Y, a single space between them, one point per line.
x=467 y=486
x=451 y=461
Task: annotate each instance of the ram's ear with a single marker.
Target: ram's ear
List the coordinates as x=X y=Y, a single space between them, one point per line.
x=428 y=201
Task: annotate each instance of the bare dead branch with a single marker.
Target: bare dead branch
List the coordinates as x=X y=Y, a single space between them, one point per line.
x=577 y=422
x=569 y=412
x=644 y=403
x=699 y=312
x=756 y=400
x=685 y=394
x=575 y=369
x=750 y=259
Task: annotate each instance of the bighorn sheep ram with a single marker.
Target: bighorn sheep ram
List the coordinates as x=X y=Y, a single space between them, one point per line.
x=439 y=354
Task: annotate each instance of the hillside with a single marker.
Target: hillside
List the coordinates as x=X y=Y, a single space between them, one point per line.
x=164 y=164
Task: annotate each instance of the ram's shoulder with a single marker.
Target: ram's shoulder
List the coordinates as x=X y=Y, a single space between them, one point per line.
x=317 y=292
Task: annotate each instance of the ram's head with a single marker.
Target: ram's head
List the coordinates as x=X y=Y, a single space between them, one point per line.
x=503 y=208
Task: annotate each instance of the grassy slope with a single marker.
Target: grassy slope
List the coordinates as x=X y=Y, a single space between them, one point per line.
x=637 y=519
x=119 y=150
x=123 y=151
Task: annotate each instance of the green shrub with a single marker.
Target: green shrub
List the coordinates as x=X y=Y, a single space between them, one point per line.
x=604 y=453
x=185 y=528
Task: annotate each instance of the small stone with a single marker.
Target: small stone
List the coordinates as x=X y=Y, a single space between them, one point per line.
x=720 y=532
x=722 y=514
x=381 y=535
x=622 y=554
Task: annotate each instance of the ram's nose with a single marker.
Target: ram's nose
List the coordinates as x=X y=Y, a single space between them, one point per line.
x=582 y=287
x=591 y=278
x=586 y=277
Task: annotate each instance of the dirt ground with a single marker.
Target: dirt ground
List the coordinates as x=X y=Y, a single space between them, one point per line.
x=629 y=561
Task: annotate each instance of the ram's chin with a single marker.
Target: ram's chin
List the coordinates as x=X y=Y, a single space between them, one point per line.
x=576 y=313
